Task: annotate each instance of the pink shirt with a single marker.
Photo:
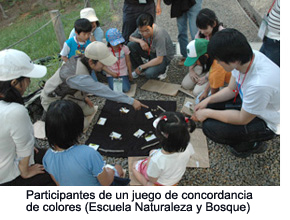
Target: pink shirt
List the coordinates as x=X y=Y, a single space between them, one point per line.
x=120 y=65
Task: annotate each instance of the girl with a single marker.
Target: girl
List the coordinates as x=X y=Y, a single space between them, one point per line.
x=17 y=157
x=207 y=24
x=121 y=70
x=69 y=163
x=167 y=165
x=199 y=64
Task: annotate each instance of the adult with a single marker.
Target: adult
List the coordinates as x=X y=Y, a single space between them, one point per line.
x=185 y=12
x=17 y=166
x=132 y=9
x=271 y=41
x=73 y=81
x=97 y=32
x=153 y=43
x=256 y=80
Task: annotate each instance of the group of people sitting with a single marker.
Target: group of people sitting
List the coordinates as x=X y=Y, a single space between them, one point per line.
x=237 y=89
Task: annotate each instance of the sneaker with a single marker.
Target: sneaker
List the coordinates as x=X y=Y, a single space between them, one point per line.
x=135 y=75
x=258 y=148
x=162 y=76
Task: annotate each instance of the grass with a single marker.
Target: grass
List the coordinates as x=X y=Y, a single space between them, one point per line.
x=44 y=42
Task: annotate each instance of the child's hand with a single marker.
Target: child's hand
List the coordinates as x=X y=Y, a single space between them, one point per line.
x=115 y=75
x=130 y=77
x=89 y=102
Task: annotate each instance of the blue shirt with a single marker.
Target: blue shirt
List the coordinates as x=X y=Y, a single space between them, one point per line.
x=77 y=166
x=98 y=34
x=75 y=48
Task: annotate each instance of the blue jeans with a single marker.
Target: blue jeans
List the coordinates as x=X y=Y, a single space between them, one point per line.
x=271 y=48
x=189 y=16
x=241 y=137
x=135 y=56
x=126 y=83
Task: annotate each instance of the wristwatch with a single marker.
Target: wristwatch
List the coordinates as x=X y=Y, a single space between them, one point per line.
x=140 y=68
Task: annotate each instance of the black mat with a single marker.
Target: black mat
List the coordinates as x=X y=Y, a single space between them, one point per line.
x=127 y=125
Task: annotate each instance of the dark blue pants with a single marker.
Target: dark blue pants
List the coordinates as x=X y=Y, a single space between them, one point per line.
x=271 y=48
x=240 y=137
x=130 y=15
x=136 y=60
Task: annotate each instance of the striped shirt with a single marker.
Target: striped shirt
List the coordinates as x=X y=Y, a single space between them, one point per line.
x=274 y=22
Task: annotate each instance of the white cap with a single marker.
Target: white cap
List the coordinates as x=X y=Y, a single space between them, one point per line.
x=99 y=51
x=89 y=13
x=15 y=63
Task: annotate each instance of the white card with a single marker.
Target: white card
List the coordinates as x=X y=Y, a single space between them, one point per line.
x=142 y=1
x=118 y=84
x=94 y=146
x=124 y=110
x=115 y=135
x=139 y=133
x=148 y=115
x=150 y=137
x=188 y=104
x=263 y=28
x=102 y=121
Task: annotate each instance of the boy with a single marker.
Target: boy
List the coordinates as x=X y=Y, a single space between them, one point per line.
x=76 y=45
x=257 y=82
x=153 y=43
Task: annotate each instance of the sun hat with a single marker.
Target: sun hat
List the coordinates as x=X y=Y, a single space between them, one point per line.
x=114 y=36
x=195 y=49
x=15 y=63
x=99 y=51
x=89 y=13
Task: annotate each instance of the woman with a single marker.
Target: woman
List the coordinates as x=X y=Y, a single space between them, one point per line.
x=16 y=137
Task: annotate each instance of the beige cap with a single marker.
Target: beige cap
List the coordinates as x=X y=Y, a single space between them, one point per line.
x=15 y=63
x=89 y=13
x=99 y=51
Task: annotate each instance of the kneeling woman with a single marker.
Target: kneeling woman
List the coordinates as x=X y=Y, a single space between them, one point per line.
x=17 y=165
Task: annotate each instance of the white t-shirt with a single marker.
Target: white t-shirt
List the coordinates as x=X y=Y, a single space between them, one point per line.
x=260 y=91
x=169 y=168
x=16 y=139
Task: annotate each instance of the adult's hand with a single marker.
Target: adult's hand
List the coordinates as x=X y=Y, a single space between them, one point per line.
x=138 y=105
x=144 y=45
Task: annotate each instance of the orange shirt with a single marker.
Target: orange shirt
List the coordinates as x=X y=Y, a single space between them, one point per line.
x=218 y=76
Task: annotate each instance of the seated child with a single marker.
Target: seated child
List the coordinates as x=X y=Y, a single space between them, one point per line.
x=199 y=65
x=122 y=68
x=97 y=32
x=217 y=77
x=69 y=163
x=167 y=165
x=76 y=45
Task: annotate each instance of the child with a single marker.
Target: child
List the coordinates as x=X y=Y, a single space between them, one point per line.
x=207 y=24
x=69 y=163
x=97 y=32
x=217 y=76
x=122 y=68
x=76 y=45
x=167 y=165
x=199 y=65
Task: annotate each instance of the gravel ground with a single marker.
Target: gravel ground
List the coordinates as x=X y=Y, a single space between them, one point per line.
x=225 y=169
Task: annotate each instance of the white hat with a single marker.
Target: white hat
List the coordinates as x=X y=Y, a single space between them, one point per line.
x=89 y=13
x=15 y=63
x=99 y=51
